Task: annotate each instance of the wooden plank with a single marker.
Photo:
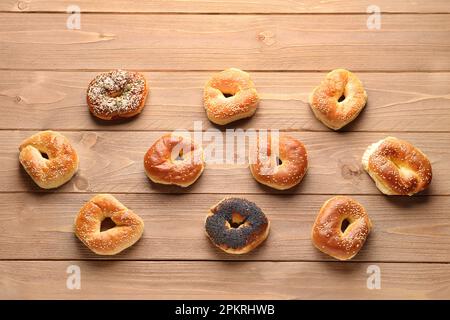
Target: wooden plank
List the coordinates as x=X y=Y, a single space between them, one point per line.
x=397 y=102
x=227 y=6
x=216 y=280
x=113 y=162
x=40 y=226
x=250 y=42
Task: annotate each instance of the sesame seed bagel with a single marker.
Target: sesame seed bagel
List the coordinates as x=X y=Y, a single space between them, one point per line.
x=341 y=228
x=230 y=95
x=236 y=226
x=117 y=94
x=174 y=159
x=128 y=230
x=325 y=99
x=281 y=165
x=397 y=167
x=48 y=158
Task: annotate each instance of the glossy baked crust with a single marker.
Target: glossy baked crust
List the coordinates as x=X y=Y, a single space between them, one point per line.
x=49 y=159
x=327 y=234
x=397 y=167
x=324 y=99
x=164 y=163
x=283 y=168
x=241 y=103
x=129 y=226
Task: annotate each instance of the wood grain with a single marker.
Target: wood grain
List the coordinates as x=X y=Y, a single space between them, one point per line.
x=397 y=102
x=227 y=6
x=218 y=280
x=215 y=42
x=40 y=226
x=288 y=46
x=113 y=162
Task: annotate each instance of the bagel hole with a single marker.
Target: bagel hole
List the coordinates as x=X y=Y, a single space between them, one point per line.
x=344 y=225
x=44 y=155
x=236 y=220
x=107 y=224
x=116 y=93
x=279 y=161
x=180 y=156
x=341 y=98
x=227 y=94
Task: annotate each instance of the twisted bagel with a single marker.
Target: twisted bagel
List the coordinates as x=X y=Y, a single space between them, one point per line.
x=230 y=95
x=129 y=226
x=174 y=159
x=48 y=158
x=341 y=228
x=397 y=167
x=325 y=99
x=281 y=165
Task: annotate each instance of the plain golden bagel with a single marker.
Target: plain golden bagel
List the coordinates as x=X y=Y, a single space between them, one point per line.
x=282 y=164
x=117 y=94
x=174 y=159
x=338 y=99
x=48 y=158
x=397 y=167
x=341 y=228
x=236 y=225
x=127 y=231
x=230 y=95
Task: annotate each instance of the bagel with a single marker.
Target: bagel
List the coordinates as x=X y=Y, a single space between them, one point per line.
x=230 y=95
x=129 y=226
x=325 y=99
x=341 y=228
x=48 y=158
x=236 y=225
x=174 y=159
x=117 y=94
x=281 y=165
x=397 y=167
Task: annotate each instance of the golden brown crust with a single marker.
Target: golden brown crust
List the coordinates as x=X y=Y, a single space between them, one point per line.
x=324 y=99
x=162 y=164
x=129 y=226
x=294 y=163
x=243 y=102
x=327 y=235
x=397 y=167
x=117 y=94
x=251 y=226
x=62 y=162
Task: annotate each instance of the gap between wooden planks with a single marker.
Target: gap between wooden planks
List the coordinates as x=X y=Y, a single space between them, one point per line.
x=219 y=280
x=397 y=102
x=227 y=6
x=413 y=222
x=113 y=162
x=406 y=229
x=249 y=42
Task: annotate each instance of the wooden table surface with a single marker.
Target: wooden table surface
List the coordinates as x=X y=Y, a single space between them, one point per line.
x=287 y=46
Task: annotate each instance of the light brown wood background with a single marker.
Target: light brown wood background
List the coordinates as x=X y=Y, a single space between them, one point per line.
x=288 y=46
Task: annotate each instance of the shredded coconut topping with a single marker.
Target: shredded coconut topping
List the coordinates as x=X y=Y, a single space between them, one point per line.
x=116 y=92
